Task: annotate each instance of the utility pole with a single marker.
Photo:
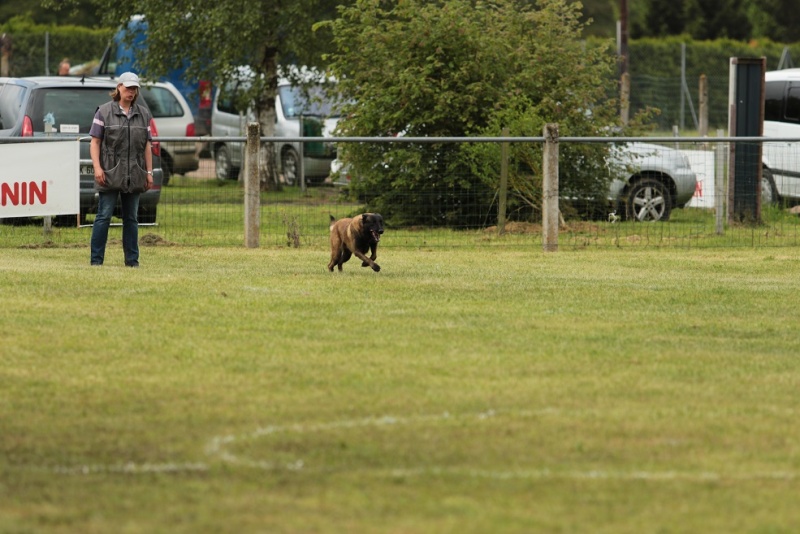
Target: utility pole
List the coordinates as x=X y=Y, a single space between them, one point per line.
x=623 y=36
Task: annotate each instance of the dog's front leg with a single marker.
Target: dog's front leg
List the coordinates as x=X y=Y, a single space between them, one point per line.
x=373 y=256
x=366 y=261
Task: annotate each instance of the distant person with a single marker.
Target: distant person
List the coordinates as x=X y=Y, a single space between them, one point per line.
x=63 y=67
x=123 y=166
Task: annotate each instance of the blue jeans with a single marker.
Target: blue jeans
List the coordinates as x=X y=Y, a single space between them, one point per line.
x=130 y=226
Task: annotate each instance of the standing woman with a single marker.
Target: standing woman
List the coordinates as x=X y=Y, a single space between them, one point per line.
x=123 y=166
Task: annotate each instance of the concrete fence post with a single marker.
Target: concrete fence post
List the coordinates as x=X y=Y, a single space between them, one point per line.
x=252 y=188
x=550 y=189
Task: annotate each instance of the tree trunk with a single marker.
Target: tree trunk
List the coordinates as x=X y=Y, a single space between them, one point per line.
x=267 y=166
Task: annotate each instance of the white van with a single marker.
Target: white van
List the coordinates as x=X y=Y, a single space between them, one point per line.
x=319 y=120
x=781 y=173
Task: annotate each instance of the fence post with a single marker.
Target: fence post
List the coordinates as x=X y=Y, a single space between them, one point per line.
x=703 y=105
x=550 y=189
x=300 y=169
x=719 y=185
x=252 y=188
x=625 y=98
x=501 y=215
x=5 y=54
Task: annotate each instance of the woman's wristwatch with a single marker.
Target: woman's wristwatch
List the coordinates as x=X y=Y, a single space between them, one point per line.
x=150 y=173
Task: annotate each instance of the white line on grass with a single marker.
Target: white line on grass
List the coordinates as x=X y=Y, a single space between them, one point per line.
x=219 y=448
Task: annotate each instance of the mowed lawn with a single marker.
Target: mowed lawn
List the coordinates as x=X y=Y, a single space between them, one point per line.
x=459 y=390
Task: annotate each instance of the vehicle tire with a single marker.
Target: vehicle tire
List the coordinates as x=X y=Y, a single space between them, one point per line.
x=769 y=193
x=66 y=221
x=648 y=200
x=289 y=165
x=147 y=216
x=224 y=167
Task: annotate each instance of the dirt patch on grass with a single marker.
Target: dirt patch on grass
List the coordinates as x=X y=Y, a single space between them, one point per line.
x=153 y=240
x=517 y=228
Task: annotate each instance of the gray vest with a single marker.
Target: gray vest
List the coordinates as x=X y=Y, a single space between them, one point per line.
x=122 y=148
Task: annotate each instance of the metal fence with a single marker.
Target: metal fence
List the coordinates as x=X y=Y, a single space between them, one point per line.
x=482 y=210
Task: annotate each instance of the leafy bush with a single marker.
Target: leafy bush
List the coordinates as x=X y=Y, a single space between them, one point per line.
x=34 y=45
x=464 y=68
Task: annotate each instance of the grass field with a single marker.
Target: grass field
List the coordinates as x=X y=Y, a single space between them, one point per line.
x=465 y=390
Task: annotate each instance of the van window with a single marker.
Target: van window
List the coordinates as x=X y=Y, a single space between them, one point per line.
x=297 y=101
x=773 y=101
x=793 y=104
x=162 y=102
x=226 y=102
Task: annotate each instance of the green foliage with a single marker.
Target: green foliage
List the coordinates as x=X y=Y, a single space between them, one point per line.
x=466 y=68
x=660 y=59
x=29 y=42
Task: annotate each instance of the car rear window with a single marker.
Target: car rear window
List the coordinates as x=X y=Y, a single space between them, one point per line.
x=162 y=102
x=11 y=97
x=67 y=106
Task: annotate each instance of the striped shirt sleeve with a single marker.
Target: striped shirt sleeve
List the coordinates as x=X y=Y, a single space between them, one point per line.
x=98 y=126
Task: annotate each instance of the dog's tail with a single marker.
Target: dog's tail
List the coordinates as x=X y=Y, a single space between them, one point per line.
x=333 y=221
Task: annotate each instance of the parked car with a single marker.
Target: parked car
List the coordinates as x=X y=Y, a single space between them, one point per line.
x=780 y=180
x=175 y=119
x=65 y=106
x=650 y=181
x=319 y=119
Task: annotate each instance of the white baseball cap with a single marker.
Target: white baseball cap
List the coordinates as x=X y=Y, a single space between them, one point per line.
x=128 y=79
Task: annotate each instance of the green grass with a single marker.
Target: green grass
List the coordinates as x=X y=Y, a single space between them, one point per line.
x=475 y=389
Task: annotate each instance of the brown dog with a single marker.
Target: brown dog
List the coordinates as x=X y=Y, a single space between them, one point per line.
x=356 y=236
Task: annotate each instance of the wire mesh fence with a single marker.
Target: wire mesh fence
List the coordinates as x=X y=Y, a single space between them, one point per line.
x=443 y=193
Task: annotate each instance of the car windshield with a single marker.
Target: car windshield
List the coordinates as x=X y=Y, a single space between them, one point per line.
x=313 y=100
x=67 y=108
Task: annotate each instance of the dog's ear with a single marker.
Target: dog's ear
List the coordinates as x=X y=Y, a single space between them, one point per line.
x=364 y=216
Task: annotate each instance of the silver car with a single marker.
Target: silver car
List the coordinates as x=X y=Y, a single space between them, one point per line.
x=651 y=181
x=175 y=119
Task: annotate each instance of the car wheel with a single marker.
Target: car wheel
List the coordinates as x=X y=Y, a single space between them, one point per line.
x=166 y=168
x=147 y=216
x=289 y=159
x=224 y=167
x=769 y=194
x=649 y=200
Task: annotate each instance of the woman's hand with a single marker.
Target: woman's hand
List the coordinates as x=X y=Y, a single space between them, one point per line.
x=99 y=176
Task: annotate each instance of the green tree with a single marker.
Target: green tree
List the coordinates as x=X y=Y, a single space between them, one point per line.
x=80 y=12
x=779 y=20
x=216 y=38
x=467 y=68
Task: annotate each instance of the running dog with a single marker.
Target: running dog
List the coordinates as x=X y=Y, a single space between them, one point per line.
x=356 y=236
